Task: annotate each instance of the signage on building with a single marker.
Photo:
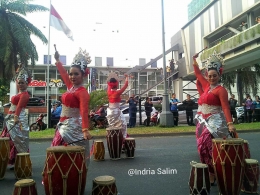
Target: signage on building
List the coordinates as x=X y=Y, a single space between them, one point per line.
x=36 y=83
x=56 y=83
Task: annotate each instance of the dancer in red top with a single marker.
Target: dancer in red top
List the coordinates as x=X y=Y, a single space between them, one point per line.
x=73 y=125
x=16 y=122
x=115 y=117
x=213 y=117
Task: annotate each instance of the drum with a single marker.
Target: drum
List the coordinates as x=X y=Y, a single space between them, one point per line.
x=228 y=161
x=65 y=170
x=4 y=155
x=99 y=150
x=199 y=179
x=251 y=177
x=23 y=166
x=104 y=185
x=246 y=149
x=114 y=142
x=130 y=147
x=25 y=187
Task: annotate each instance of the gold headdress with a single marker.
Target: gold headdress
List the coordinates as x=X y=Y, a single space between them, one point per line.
x=113 y=75
x=215 y=61
x=23 y=73
x=82 y=59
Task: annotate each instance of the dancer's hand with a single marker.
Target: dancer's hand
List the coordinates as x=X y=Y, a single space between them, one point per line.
x=57 y=56
x=16 y=119
x=195 y=56
x=87 y=135
x=231 y=128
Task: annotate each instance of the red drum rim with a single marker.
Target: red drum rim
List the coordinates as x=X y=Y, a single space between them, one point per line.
x=228 y=140
x=23 y=154
x=24 y=182
x=104 y=180
x=129 y=138
x=251 y=161
x=65 y=149
x=4 y=138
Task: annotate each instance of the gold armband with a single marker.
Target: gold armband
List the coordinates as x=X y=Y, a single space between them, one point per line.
x=229 y=123
x=85 y=129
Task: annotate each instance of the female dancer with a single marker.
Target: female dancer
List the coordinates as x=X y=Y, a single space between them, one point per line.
x=73 y=124
x=213 y=101
x=16 y=122
x=115 y=117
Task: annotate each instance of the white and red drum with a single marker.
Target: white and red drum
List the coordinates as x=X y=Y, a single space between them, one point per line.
x=4 y=155
x=25 y=187
x=104 y=185
x=228 y=162
x=251 y=177
x=23 y=166
x=247 y=150
x=199 y=179
x=130 y=147
x=65 y=170
x=99 y=150
x=114 y=142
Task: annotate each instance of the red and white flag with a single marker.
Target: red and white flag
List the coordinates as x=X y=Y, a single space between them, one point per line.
x=58 y=23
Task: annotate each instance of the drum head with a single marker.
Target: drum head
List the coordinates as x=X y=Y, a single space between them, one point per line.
x=228 y=140
x=245 y=141
x=130 y=138
x=200 y=165
x=113 y=128
x=24 y=182
x=4 y=138
x=98 y=141
x=251 y=161
x=105 y=180
x=65 y=149
x=23 y=154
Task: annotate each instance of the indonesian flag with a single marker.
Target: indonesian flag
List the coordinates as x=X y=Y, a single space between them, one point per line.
x=58 y=23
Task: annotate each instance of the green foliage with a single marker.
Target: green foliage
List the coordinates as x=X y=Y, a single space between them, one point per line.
x=97 y=98
x=15 y=32
x=4 y=88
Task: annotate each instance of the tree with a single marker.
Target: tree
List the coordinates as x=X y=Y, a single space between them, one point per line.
x=97 y=98
x=247 y=80
x=15 y=31
x=4 y=89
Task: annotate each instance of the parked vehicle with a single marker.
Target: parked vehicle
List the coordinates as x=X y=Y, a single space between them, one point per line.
x=155 y=119
x=125 y=110
x=33 y=101
x=39 y=124
x=103 y=121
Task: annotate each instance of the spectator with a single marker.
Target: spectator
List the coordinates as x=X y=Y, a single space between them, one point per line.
x=257 y=19
x=174 y=109
x=256 y=104
x=189 y=103
x=248 y=108
x=55 y=115
x=148 y=109
x=132 y=110
x=172 y=65
x=243 y=26
x=168 y=70
x=100 y=114
x=233 y=103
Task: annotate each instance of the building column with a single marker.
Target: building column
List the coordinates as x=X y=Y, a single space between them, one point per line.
x=180 y=87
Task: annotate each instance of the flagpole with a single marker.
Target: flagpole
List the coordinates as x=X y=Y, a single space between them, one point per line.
x=48 y=69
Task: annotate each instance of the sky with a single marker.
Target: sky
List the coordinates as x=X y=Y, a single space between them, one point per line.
x=122 y=29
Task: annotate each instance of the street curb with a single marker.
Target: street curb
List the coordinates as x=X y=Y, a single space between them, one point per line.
x=149 y=135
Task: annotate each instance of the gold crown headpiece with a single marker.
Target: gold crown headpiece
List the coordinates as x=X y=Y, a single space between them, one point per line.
x=215 y=61
x=82 y=59
x=23 y=73
x=113 y=75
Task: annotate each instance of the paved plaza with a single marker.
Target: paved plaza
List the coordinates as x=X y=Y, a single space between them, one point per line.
x=161 y=166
